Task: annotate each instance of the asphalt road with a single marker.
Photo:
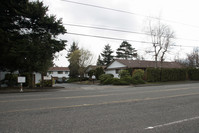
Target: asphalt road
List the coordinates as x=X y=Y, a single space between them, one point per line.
x=103 y=109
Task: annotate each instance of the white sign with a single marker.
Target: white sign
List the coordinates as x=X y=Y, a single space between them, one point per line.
x=47 y=77
x=21 y=79
x=93 y=77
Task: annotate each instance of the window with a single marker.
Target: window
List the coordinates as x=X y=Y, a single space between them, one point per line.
x=117 y=71
x=60 y=72
x=66 y=72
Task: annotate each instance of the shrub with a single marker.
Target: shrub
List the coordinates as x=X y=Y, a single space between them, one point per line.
x=47 y=83
x=106 y=78
x=136 y=79
x=139 y=73
x=38 y=84
x=70 y=80
x=127 y=79
x=124 y=73
x=115 y=81
x=108 y=81
x=138 y=76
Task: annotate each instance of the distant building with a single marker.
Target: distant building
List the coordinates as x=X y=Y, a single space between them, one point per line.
x=58 y=72
x=120 y=64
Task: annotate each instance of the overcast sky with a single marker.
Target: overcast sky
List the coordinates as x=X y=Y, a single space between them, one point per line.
x=182 y=15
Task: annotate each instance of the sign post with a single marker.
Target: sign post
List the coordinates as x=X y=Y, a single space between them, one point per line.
x=21 y=80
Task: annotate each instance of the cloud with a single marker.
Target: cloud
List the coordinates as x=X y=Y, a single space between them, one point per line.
x=182 y=11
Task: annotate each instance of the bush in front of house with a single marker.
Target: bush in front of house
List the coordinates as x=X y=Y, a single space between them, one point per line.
x=138 y=76
x=124 y=73
x=106 y=79
x=122 y=81
x=70 y=80
x=47 y=83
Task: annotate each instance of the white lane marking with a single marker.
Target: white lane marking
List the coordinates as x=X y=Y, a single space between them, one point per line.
x=172 y=123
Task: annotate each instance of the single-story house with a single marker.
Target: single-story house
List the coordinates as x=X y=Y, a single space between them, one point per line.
x=58 y=72
x=119 y=64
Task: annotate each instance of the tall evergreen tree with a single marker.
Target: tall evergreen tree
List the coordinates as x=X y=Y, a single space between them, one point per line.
x=125 y=51
x=28 y=36
x=99 y=61
x=107 y=54
x=72 y=48
x=74 y=59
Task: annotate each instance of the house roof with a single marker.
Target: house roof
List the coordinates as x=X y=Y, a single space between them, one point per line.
x=58 y=69
x=146 y=64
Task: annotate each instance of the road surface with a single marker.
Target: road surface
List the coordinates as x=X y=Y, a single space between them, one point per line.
x=103 y=109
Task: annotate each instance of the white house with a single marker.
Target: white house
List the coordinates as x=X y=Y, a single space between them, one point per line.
x=58 y=72
x=119 y=64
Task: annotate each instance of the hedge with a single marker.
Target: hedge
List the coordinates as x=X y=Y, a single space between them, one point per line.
x=193 y=74
x=171 y=74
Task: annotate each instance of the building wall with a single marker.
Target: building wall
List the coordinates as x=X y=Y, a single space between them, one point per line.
x=56 y=74
x=116 y=64
x=37 y=77
x=2 y=75
x=112 y=72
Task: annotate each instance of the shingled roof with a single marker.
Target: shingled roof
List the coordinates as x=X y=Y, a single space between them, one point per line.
x=58 y=69
x=146 y=64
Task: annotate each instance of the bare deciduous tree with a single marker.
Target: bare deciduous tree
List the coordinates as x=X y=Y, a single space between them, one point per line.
x=193 y=58
x=161 y=37
x=86 y=58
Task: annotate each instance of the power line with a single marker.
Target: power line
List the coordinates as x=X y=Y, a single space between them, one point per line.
x=103 y=28
x=184 y=46
x=118 y=30
x=119 y=39
x=104 y=37
x=127 y=12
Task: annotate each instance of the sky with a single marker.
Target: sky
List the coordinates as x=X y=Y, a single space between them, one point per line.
x=180 y=15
